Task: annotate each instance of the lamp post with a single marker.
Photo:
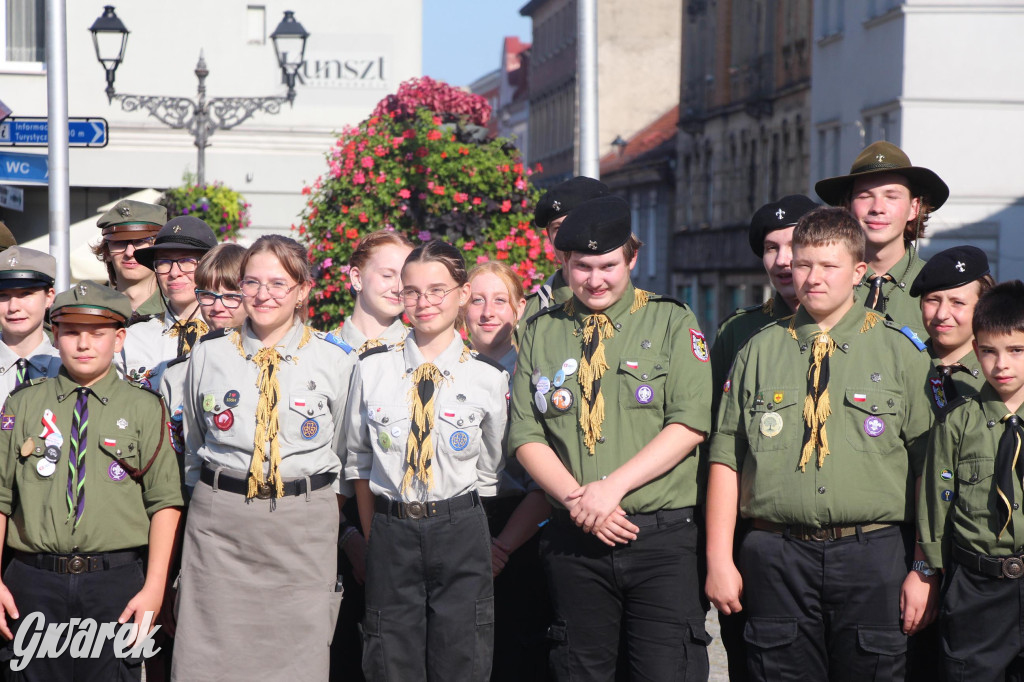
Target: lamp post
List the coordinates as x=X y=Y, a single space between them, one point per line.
x=201 y=117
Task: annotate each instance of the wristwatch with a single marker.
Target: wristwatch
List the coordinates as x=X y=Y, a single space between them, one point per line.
x=922 y=567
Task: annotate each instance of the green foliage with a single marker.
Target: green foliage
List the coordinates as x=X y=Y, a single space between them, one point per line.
x=222 y=208
x=430 y=175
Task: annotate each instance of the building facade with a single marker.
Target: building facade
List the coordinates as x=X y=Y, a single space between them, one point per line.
x=356 y=54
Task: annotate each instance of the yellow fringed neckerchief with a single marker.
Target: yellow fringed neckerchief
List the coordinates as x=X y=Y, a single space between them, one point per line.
x=367 y=345
x=419 y=449
x=188 y=332
x=466 y=354
x=593 y=365
x=817 y=406
x=268 y=360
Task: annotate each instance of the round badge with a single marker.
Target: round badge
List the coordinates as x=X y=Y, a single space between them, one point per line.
x=644 y=394
x=46 y=468
x=224 y=420
x=946 y=474
x=396 y=431
x=771 y=424
x=309 y=429
x=459 y=440
x=569 y=366
x=559 y=378
x=52 y=453
x=537 y=374
x=231 y=398
x=116 y=472
x=874 y=426
x=54 y=439
x=541 y=402
x=947 y=495
x=544 y=385
x=562 y=399
x=384 y=440
x=208 y=402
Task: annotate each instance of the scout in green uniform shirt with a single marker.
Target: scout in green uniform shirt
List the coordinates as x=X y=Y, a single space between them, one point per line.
x=127 y=227
x=609 y=399
x=551 y=211
x=892 y=199
x=88 y=480
x=821 y=434
x=970 y=518
x=949 y=287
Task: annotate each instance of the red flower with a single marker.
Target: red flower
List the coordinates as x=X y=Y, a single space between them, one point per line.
x=502 y=255
x=477 y=201
x=352 y=232
x=460 y=197
x=404 y=193
x=434 y=135
x=363 y=218
x=506 y=206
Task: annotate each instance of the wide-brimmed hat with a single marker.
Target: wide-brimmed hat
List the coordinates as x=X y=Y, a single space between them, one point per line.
x=184 y=233
x=876 y=159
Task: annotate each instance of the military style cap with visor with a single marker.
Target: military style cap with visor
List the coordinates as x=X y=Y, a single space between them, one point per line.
x=184 y=233
x=950 y=269
x=566 y=196
x=129 y=219
x=90 y=303
x=777 y=215
x=22 y=268
x=595 y=227
x=879 y=158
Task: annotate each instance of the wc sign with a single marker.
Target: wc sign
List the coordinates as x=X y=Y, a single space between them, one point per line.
x=23 y=168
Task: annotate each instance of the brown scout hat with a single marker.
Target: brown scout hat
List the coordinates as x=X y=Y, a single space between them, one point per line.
x=876 y=159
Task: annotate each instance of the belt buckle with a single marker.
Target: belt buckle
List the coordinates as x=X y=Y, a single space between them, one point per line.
x=76 y=565
x=263 y=491
x=415 y=510
x=820 y=534
x=1013 y=567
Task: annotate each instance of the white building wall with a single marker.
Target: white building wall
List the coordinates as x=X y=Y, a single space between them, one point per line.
x=357 y=53
x=944 y=79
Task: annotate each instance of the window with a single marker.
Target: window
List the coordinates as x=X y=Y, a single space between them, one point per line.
x=651 y=268
x=24 y=31
x=256 y=24
x=831 y=21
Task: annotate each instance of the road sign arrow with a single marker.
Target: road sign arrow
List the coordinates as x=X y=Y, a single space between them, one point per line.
x=99 y=133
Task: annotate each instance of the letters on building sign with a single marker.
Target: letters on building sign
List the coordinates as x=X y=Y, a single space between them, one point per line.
x=350 y=71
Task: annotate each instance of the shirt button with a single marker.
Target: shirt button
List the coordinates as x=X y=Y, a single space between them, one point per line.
x=903 y=285
x=618 y=325
x=991 y=424
x=643 y=376
x=803 y=347
x=1016 y=506
x=447 y=373
x=846 y=346
x=601 y=439
x=874 y=408
x=459 y=423
x=385 y=420
x=821 y=490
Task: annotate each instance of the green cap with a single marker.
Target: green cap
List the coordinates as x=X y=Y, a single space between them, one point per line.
x=129 y=219
x=22 y=268
x=90 y=303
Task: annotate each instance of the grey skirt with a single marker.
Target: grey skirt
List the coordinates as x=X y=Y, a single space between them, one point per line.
x=256 y=593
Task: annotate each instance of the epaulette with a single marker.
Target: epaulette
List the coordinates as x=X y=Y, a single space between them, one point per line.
x=147 y=389
x=329 y=337
x=216 y=334
x=742 y=311
x=907 y=332
x=658 y=297
x=134 y=320
x=942 y=412
x=483 y=358
x=544 y=311
x=30 y=382
x=177 y=360
x=373 y=351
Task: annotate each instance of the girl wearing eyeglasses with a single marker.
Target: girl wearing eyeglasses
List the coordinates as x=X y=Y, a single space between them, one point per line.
x=263 y=410
x=496 y=304
x=426 y=425
x=174 y=256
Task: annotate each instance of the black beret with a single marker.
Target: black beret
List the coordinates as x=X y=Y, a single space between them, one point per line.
x=565 y=196
x=596 y=226
x=184 y=233
x=950 y=269
x=776 y=215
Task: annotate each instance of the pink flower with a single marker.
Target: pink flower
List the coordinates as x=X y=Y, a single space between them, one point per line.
x=366 y=162
x=468 y=246
x=506 y=206
x=359 y=178
x=460 y=197
x=482 y=258
x=404 y=193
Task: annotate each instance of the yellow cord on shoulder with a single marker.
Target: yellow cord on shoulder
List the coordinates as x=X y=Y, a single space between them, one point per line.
x=769 y=306
x=640 y=298
x=870 y=320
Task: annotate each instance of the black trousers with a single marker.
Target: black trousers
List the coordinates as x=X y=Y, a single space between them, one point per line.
x=429 y=599
x=101 y=596
x=650 y=584
x=824 y=610
x=982 y=627
x=347 y=645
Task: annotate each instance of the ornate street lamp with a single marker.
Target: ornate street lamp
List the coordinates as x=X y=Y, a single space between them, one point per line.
x=201 y=117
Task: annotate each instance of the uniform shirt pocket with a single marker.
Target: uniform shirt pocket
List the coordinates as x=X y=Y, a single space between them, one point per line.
x=975 y=488
x=308 y=421
x=642 y=383
x=389 y=428
x=775 y=419
x=872 y=419
x=459 y=428
x=35 y=471
x=118 y=450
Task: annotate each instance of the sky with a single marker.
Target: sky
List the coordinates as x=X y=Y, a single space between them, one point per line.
x=462 y=38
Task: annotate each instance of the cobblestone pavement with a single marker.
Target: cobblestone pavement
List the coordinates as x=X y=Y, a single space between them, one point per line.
x=716 y=652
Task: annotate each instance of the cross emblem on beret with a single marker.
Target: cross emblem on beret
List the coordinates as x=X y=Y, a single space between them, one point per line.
x=880 y=157
x=124 y=210
x=176 y=229
x=12 y=261
x=81 y=290
x=960 y=266
x=556 y=205
x=780 y=214
x=592 y=245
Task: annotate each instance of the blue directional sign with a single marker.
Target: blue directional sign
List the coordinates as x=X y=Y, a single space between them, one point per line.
x=21 y=168
x=33 y=131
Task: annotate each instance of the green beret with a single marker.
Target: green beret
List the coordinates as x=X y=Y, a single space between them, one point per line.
x=595 y=227
x=129 y=219
x=90 y=303
x=22 y=268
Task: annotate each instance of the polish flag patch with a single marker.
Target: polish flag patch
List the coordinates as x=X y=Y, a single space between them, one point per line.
x=859 y=397
x=449 y=414
x=632 y=364
x=300 y=403
x=110 y=442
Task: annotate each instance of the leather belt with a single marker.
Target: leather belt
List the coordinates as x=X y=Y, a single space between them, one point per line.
x=78 y=563
x=422 y=510
x=1011 y=567
x=826 y=534
x=232 y=483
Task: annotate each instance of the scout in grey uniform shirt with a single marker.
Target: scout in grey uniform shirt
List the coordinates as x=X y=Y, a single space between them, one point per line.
x=44 y=361
x=220 y=405
x=358 y=342
x=470 y=423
